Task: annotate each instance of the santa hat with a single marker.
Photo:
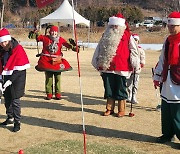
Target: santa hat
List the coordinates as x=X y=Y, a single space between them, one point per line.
x=4 y=35
x=174 y=18
x=54 y=29
x=136 y=36
x=117 y=20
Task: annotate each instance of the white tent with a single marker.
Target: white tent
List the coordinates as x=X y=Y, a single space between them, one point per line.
x=64 y=14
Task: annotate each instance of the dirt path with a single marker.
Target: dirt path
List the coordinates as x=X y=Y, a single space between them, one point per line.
x=44 y=121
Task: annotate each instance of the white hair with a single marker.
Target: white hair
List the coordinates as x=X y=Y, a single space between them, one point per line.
x=108 y=45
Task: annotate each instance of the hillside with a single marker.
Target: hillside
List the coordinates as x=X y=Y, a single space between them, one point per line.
x=153 y=5
x=23 y=13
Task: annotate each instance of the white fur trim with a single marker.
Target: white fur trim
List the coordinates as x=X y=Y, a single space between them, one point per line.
x=116 y=21
x=173 y=21
x=19 y=68
x=5 y=38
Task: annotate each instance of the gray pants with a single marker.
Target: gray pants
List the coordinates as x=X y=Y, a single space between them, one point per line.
x=13 y=109
x=130 y=89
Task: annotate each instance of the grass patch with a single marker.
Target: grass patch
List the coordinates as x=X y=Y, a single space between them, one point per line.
x=76 y=147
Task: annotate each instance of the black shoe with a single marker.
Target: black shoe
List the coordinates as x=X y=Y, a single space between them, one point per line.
x=16 y=126
x=9 y=121
x=163 y=139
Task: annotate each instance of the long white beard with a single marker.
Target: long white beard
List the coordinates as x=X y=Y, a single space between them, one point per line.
x=108 y=45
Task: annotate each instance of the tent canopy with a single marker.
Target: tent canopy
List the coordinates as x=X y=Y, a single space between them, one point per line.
x=64 y=14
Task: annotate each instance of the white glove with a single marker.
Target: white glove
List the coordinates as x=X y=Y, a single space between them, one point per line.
x=8 y=83
x=1 y=88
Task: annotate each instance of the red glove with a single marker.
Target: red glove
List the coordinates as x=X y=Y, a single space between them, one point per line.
x=156 y=84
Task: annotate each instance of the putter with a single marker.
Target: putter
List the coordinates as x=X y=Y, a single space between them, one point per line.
x=158 y=107
x=131 y=114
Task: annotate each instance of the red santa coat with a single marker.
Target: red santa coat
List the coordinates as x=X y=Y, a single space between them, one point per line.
x=45 y=61
x=121 y=61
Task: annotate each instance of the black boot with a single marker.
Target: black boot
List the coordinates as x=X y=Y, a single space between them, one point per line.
x=164 y=139
x=17 y=125
x=8 y=121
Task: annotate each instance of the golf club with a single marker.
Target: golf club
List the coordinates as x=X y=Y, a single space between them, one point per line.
x=131 y=114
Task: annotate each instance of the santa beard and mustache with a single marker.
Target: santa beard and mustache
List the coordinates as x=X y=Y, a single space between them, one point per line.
x=108 y=44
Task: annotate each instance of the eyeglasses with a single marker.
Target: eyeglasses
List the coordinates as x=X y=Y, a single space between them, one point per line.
x=136 y=39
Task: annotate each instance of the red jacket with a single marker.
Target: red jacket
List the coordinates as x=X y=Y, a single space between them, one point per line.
x=45 y=61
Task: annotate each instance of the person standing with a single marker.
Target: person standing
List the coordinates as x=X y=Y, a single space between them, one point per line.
x=167 y=73
x=51 y=61
x=115 y=57
x=13 y=65
x=133 y=87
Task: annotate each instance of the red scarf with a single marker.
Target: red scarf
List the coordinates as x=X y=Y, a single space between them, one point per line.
x=174 y=46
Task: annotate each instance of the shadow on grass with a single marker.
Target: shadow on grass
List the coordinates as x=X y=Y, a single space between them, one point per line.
x=90 y=130
x=77 y=128
x=87 y=100
x=93 y=130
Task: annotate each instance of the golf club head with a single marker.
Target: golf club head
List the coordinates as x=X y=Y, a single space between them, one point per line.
x=158 y=107
x=131 y=114
x=38 y=55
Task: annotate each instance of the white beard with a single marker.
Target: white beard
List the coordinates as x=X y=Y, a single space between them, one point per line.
x=108 y=45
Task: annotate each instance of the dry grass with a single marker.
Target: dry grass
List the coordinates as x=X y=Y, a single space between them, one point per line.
x=95 y=34
x=46 y=121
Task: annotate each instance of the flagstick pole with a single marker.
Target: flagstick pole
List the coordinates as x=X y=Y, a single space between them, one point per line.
x=79 y=73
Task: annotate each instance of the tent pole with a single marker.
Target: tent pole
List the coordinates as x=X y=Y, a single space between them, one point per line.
x=88 y=35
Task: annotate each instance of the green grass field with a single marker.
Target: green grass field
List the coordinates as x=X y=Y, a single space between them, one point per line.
x=76 y=147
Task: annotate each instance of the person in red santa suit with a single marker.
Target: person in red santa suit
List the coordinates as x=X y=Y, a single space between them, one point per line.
x=52 y=62
x=13 y=65
x=167 y=74
x=115 y=57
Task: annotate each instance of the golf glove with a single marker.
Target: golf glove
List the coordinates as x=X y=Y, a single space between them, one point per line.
x=7 y=83
x=156 y=84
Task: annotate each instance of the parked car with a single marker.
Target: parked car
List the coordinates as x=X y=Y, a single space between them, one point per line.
x=10 y=26
x=29 y=26
x=147 y=24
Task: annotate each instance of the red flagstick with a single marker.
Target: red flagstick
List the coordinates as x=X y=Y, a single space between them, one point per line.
x=79 y=73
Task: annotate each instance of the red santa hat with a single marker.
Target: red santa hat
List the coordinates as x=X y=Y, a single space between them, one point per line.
x=174 y=18
x=4 y=35
x=136 y=36
x=54 y=29
x=117 y=20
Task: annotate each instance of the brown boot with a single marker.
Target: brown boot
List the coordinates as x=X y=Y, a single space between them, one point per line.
x=121 y=108
x=110 y=107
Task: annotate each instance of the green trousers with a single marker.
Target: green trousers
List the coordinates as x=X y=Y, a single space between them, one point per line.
x=49 y=82
x=115 y=86
x=170 y=119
